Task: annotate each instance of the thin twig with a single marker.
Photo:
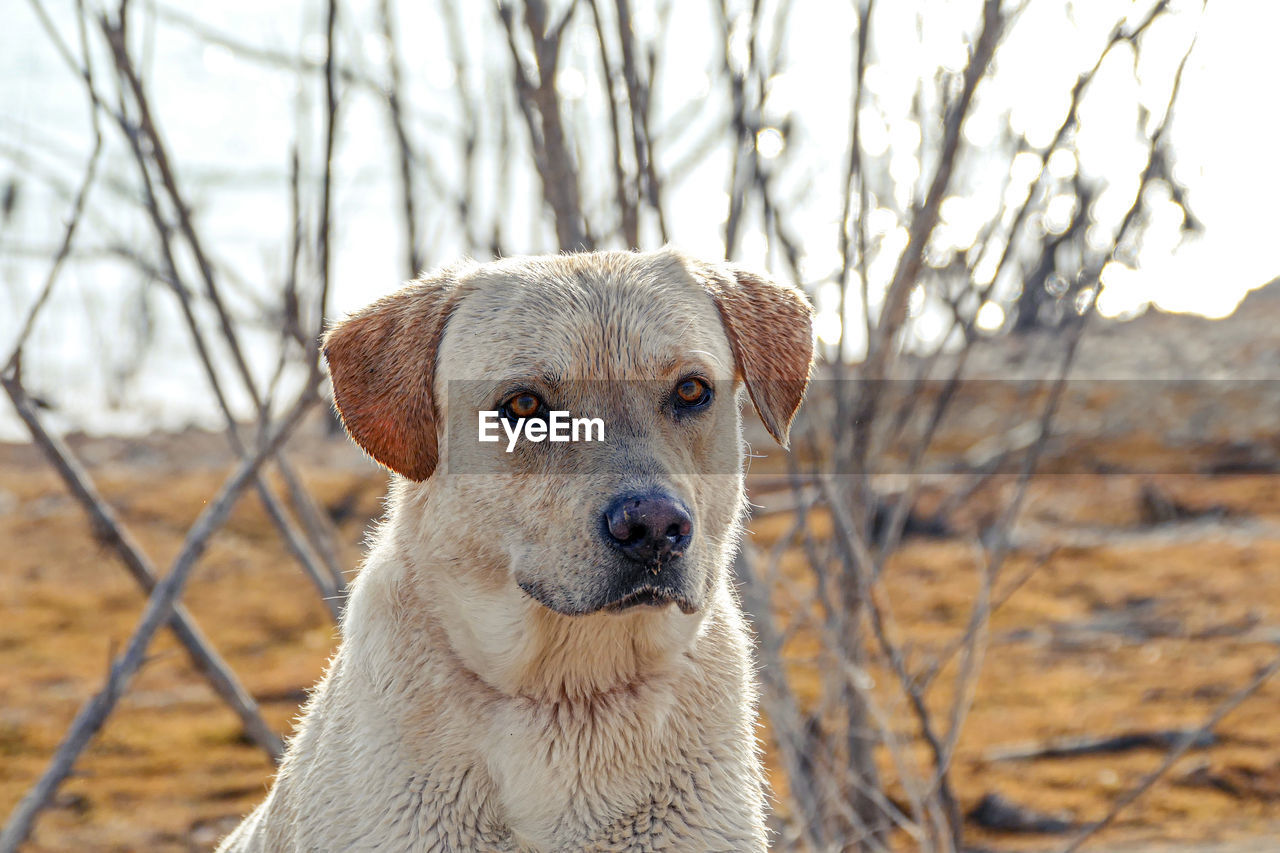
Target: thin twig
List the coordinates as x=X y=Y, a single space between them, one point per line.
x=1021 y=217
x=925 y=679
x=291 y=326
x=859 y=557
x=404 y=148
x=1186 y=742
x=115 y=34
x=94 y=713
x=331 y=589
x=13 y=365
x=744 y=148
x=624 y=191
x=922 y=224
x=638 y=103
x=540 y=105
x=783 y=709
x=109 y=530
x=325 y=235
x=855 y=171
x=468 y=136
x=280 y=59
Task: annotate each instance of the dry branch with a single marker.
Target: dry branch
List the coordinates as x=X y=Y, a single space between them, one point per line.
x=1188 y=740
x=779 y=701
x=638 y=103
x=468 y=135
x=115 y=34
x=860 y=573
x=540 y=105
x=404 y=148
x=828 y=751
x=327 y=579
x=13 y=366
x=325 y=233
x=925 y=219
x=94 y=713
x=625 y=192
x=1068 y=124
x=856 y=170
x=110 y=531
x=261 y=55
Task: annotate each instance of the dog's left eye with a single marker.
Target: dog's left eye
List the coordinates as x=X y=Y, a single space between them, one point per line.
x=692 y=393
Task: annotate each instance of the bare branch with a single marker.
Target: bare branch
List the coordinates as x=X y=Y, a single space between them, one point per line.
x=109 y=530
x=926 y=217
x=115 y=34
x=624 y=190
x=13 y=365
x=1119 y=36
x=638 y=102
x=781 y=703
x=331 y=589
x=469 y=135
x=325 y=235
x=93 y=714
x=404 y=148
x=744 y=135
x=1186 y=742
x=859 y=559
x=277 y=59
x=856 y=171
x=540 y=105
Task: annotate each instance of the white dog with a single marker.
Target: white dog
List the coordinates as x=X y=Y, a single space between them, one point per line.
x=543 y=651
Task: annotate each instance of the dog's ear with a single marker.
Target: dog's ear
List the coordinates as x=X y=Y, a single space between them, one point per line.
x=770 y=327
x=382 y=362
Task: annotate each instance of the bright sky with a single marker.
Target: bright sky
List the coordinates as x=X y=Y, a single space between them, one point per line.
x=1226 y=134
x=225 y=117
x=1225 y=123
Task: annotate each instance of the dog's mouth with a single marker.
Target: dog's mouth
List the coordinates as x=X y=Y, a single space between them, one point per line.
x=619 y=598
x=649 y=596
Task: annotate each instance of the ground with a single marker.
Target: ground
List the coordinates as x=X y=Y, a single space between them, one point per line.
x=1128 y=627
x=1158 y=598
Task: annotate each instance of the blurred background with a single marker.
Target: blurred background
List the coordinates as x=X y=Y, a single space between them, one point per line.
x=1016 y=587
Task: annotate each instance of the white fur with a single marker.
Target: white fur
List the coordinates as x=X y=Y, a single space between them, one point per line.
x=460 y=714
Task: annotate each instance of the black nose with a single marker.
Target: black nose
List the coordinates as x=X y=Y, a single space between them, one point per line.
x=648 y=528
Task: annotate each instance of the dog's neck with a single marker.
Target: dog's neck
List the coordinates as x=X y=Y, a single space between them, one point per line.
x=583 y=658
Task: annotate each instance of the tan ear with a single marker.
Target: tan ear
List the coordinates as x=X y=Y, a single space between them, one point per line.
x=770 y=327
x=382 y=362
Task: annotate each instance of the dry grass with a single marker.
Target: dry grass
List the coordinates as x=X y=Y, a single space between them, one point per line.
x=172 y=773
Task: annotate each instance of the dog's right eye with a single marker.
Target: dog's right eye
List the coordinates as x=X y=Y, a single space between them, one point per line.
x=523 y=406
x=692 y=393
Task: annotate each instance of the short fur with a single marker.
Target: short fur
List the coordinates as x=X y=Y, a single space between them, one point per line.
x=482 y=698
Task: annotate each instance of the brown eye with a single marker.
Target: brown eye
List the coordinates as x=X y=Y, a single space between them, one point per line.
x=692 y=393
x=523 y=405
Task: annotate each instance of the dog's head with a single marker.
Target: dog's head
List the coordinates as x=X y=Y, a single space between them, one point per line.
x=655 y=346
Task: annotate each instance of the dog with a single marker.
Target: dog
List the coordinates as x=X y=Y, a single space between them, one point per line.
x=543 y=650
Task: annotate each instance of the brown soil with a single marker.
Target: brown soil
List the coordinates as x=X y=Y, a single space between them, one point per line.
x=1125 y=634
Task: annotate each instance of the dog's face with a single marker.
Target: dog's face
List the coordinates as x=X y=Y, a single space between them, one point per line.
x=654 y=346
x=641 y=517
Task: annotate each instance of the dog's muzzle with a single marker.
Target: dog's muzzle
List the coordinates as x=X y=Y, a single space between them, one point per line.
x=651 y=531
x=646 y=537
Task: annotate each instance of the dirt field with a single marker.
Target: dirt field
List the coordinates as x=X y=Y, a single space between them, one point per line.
x=1161 y=598
x=1129 y=628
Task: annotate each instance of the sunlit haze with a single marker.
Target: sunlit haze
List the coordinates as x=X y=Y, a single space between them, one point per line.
x=230 y=122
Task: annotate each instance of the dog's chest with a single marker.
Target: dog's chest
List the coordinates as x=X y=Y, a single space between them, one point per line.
x=563 y=772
